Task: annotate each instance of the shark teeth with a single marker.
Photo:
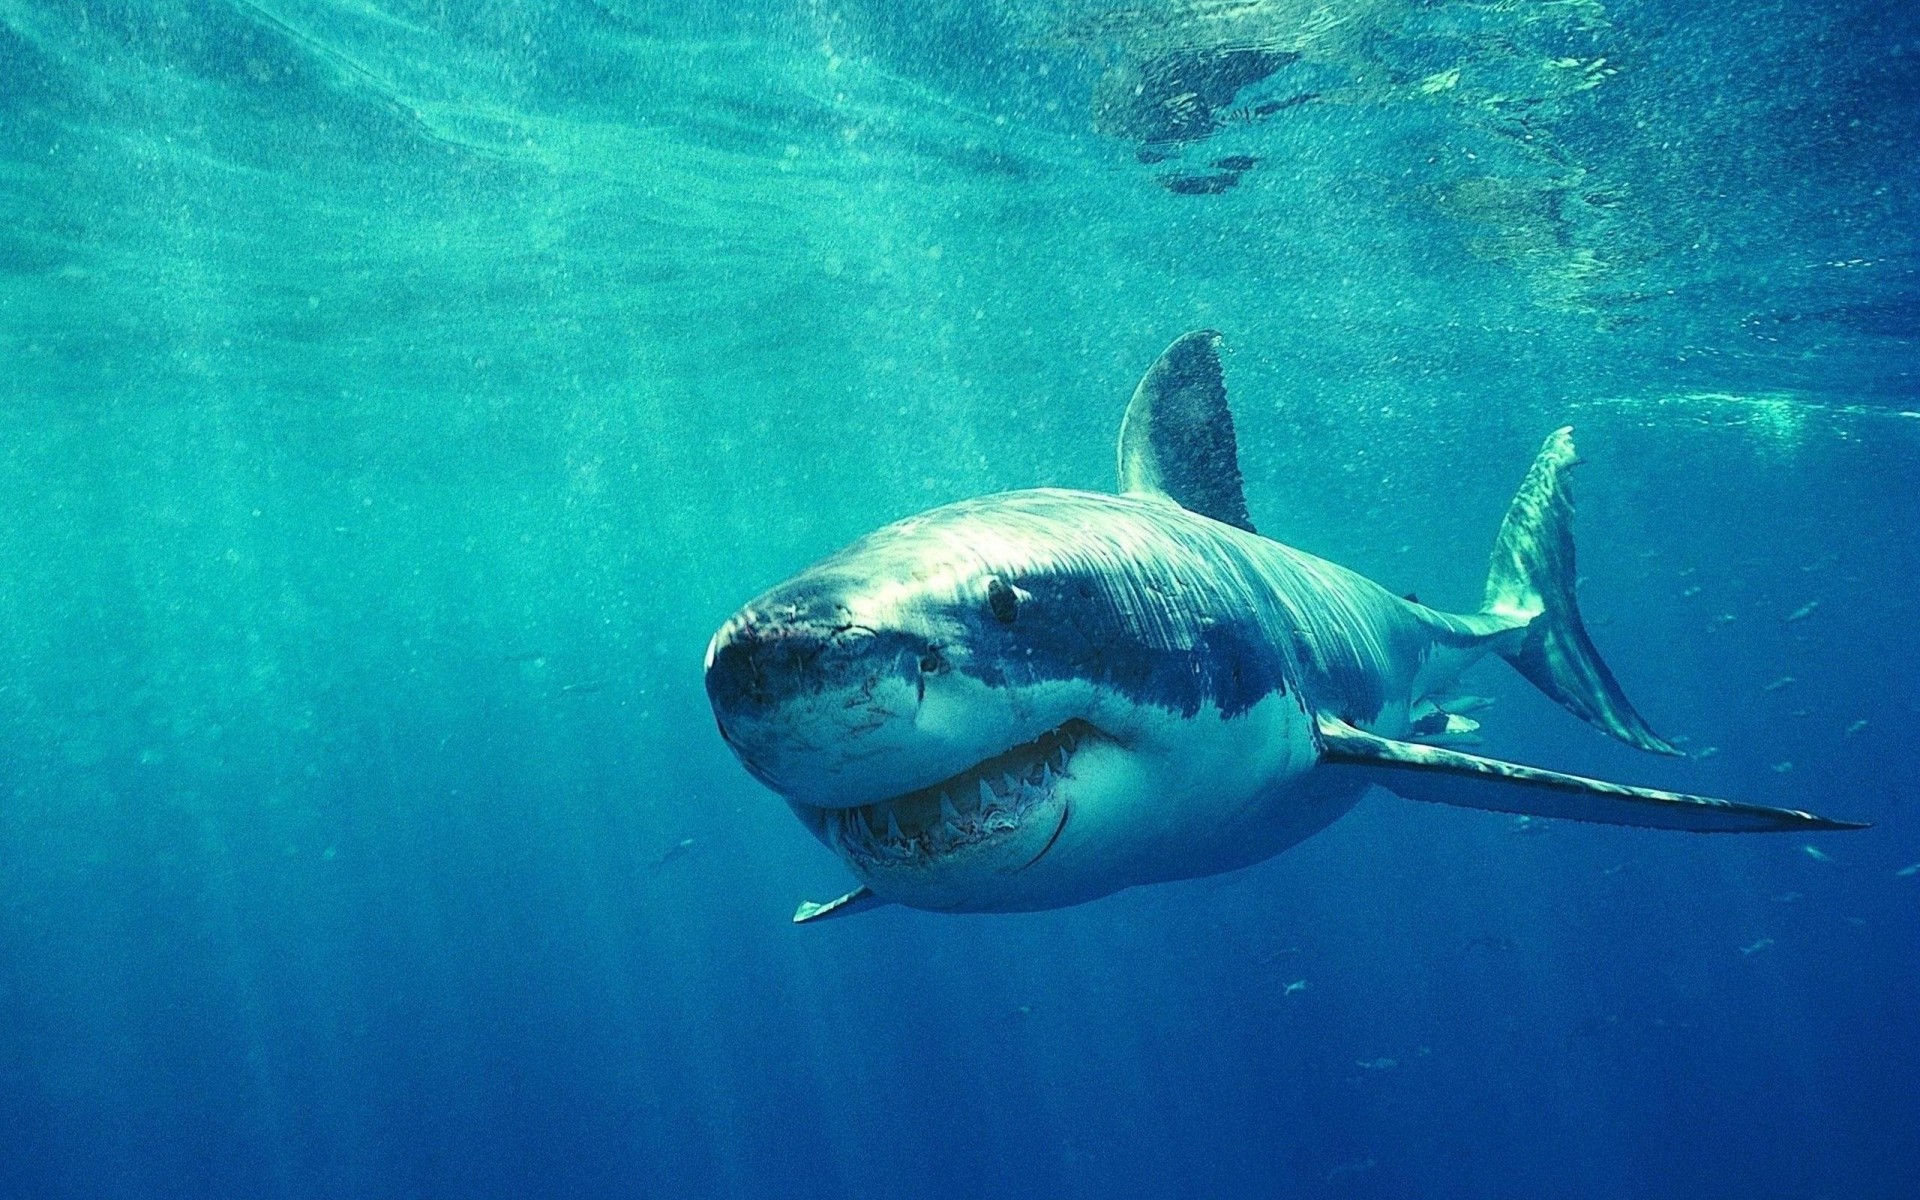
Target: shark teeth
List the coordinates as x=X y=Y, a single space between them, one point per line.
x=992 y=798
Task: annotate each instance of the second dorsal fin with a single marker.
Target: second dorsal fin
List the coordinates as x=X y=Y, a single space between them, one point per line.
x=1177 y=437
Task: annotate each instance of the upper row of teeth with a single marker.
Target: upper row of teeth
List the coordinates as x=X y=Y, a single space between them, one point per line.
x=987 y=802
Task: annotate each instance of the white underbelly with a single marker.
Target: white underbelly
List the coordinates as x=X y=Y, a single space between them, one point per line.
x=1175 y=797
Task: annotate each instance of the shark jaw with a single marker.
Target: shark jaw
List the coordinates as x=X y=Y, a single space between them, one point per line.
x=952 y=844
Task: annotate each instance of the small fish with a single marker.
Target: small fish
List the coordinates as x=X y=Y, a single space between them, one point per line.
x=1297 y=986
x=1783 y=766
x=1615 y=869
x=677 y=850
x=1350 y=1168
x=1907 y=872
x=1707 y=752
x=1528 y=825
x=1690 y=593
x=1787 y=897
x=1592 y=1027
x=1784 y=681
x=1491 y=942
x=582 y=687
x=1803 y=612
x=1856 y=727
x=1199 y=185
x=1817 y=854
x=1753 y=948
x=1377 y=1064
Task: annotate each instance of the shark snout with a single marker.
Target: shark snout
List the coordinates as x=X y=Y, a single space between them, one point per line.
x=772 y=667
x=757 y=662
x=818 y=710
x=749 y=664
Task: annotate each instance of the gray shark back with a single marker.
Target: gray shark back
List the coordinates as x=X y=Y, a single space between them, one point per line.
x=1173 y=608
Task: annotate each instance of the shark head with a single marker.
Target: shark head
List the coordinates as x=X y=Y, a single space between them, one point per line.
x=968 y=704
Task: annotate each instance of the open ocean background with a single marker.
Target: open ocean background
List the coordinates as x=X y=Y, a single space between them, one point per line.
x=394 y=396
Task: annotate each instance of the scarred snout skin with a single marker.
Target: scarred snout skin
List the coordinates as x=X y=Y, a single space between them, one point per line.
x=754 y=663
x=759 y=661
x=803 y=700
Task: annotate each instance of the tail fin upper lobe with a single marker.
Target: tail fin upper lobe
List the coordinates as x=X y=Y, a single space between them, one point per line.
x=1531 y=577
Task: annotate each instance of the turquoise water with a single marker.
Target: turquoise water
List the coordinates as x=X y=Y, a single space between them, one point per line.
x=397 y=397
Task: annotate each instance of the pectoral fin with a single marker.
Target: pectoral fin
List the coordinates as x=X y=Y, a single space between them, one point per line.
x=858 y=900
x=1441 y=776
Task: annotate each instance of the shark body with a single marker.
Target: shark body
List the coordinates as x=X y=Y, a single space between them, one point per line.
x=1034 y=699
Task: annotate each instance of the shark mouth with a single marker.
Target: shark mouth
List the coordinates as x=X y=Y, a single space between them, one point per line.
x=977 y=806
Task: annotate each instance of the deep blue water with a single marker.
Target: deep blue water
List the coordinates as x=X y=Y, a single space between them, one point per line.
x=396 y=396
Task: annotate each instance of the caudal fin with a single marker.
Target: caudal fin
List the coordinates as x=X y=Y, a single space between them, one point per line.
x=1532 y=578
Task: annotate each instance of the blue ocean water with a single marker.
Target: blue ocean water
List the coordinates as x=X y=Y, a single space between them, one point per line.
x=397 y=395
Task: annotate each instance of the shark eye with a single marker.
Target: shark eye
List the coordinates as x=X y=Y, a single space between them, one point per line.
x=931 y=663
x=1003 y=600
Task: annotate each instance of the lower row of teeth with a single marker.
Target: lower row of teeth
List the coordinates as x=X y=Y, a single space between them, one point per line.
x=965 y=815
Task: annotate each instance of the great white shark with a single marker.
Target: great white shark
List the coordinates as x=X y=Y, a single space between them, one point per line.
x=1033 y=699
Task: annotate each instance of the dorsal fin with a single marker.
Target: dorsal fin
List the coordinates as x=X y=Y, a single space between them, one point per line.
x=1177 y=437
